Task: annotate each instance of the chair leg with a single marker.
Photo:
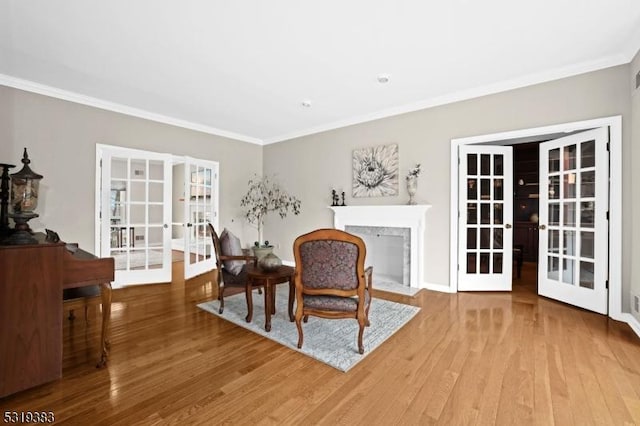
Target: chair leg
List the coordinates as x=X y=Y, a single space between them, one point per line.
x=361 y=322
x=221 y=298
x=300 y=335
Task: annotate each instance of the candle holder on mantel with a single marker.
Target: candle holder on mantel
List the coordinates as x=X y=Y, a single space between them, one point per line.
x=4 y=200
x=24 y=200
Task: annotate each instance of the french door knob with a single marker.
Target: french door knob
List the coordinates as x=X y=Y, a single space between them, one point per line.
x=542 y=227
x=508 y=226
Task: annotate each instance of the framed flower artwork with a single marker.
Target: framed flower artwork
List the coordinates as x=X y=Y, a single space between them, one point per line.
x=375 y=171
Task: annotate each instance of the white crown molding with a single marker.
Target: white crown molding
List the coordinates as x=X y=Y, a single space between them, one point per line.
x=502 y=86
x=30 y=86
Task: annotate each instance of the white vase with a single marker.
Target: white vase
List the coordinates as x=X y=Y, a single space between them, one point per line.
x=412 y=188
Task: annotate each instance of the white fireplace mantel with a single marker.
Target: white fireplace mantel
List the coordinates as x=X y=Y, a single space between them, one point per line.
x=398 y=216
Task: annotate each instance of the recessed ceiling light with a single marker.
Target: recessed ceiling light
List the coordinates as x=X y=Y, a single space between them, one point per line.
x=383 y=78
x=306 y=103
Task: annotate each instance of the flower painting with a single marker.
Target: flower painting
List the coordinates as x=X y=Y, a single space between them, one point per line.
x=375 y=171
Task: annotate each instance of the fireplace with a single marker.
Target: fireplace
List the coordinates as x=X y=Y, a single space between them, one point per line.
x=394 y=236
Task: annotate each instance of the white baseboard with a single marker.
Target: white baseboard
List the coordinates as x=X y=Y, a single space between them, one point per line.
x=177 y=244
x=442 y=288
x=633 y=323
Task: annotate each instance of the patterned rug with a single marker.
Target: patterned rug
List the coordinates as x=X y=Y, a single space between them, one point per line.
x=333 y=342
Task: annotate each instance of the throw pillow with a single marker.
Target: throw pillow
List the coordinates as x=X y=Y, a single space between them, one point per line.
x=230 y=246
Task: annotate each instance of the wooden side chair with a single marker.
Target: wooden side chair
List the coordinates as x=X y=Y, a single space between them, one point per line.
x=331 y=280
x=231 y=262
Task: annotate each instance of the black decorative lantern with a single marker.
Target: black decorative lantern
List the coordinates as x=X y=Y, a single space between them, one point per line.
x=24 y=200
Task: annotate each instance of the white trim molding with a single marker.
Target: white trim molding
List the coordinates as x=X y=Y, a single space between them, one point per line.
x=42 y=89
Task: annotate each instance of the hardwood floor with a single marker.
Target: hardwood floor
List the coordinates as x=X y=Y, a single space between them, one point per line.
x=466 y=358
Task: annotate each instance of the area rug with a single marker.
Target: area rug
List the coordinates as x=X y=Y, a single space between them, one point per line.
x=333 y=342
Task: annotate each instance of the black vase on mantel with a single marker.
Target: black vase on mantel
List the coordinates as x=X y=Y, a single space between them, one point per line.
x=269 y=262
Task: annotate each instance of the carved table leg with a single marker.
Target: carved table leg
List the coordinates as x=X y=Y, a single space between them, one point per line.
x=247 y=290
x=105 y=293
x=292 y=295
x=268 y=304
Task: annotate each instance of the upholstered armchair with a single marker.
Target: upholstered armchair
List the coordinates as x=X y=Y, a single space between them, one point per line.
x=230 y=262
x=331 y=280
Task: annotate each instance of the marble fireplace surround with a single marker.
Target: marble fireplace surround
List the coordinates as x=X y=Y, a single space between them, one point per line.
x=412 y=217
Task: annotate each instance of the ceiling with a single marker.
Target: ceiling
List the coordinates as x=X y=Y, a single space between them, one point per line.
x=244 y=68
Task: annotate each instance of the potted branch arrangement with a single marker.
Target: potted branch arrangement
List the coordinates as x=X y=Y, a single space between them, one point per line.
x=265 y=195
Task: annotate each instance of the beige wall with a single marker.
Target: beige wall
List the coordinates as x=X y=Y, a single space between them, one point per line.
x=61 y=138
x=635 y=159
x=310 y=166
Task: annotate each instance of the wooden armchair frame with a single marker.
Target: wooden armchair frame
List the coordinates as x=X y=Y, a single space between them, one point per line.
x=362 y=292
x=220 y=258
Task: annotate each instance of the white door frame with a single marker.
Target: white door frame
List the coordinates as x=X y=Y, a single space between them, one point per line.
x=615 y=195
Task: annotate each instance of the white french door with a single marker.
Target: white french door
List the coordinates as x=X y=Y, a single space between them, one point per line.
x=574 y=199
x=135 y=210
x=200 y=208
x=485 y=208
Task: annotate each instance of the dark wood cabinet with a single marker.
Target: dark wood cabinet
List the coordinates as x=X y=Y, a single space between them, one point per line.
x=525 y=234
x=31 y=315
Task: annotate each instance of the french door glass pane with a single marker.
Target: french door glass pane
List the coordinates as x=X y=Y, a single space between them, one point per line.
x=497 y=214
x=497 y=238
x=587 y=211
x=472 y=238
x=588 y=154
x=485 y=164
x=588 y=184
x=554 y=160
x=553 y=268
x=554 y=187
x=587 y=244
x=471 y=263
x=497 y=263
x=569 y=243
x=554 y=241
x=586 y=275
x=569 y=181
x=570 y=157
x=568 y=271
x=472 y=213
x=554 y=214
x=485 y=238
x=498 y=190
x=472 y=164
x=498 y=165
x=485 y=213
x=485 y=189
x=484 y=263
x=472 y=189
x=569 y=216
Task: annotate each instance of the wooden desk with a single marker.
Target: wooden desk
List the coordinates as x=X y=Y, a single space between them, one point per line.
x=259 y=278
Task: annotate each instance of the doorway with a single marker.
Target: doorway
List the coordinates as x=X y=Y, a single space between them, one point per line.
x=536 y=135
x=138 y=193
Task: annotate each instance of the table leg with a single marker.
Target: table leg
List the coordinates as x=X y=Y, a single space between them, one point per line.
x=268 y=299
x=105 y=293
x=247 y=291
x=292 y=294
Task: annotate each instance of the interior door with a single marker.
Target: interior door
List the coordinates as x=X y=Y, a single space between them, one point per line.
x=573 y=260
x=200 y=208
x=485 y=216
x=135 y=210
